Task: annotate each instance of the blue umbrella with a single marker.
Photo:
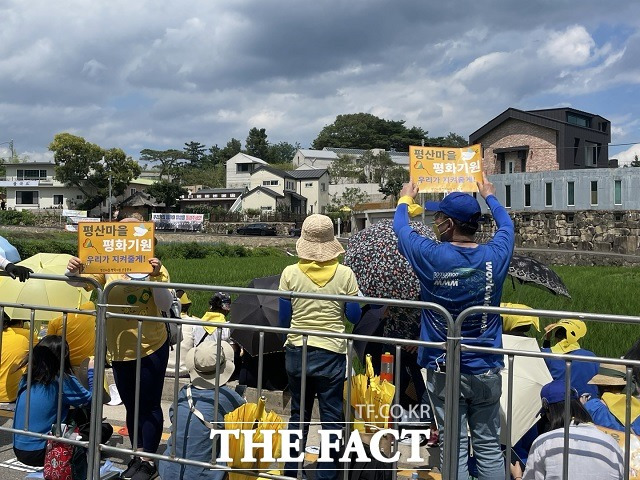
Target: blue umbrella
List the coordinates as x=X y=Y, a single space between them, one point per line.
x=8 y=251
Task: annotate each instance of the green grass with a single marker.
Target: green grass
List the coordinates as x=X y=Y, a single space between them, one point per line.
x=606 y=290
x=223 y=271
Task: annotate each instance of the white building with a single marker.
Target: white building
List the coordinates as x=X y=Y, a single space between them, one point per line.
x=313 y=159
x=239 y=169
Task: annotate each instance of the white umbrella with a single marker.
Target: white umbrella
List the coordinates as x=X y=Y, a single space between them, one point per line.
x=529 y=376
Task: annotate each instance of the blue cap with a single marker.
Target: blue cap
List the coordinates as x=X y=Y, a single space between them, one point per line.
x=554 y=393
x=458 y=205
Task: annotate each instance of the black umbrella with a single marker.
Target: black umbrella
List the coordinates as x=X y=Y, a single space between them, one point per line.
x=530 y=271
x=257 y=310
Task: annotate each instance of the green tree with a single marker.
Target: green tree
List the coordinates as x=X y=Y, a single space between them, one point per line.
x=282 y=152
x=343 y=168
x=366 y=131
x=451 y=140
x=166 y=191
x=195 y=153
x=257 y=144
x=170 y=161
x=391 y=185
x=232 y=148
x=80 y=164
x=211 y=177
x=372 y=166
x=350 y=198
x=635 y=162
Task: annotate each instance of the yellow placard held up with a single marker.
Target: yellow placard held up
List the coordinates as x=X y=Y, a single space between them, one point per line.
x=116 y=247
x=444 y=169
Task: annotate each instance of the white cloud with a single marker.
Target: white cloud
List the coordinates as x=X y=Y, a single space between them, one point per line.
x=571 y=47
x=627 y=156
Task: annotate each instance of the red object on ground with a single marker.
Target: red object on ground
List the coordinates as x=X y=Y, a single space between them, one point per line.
x=386 y=367
x=124 y=431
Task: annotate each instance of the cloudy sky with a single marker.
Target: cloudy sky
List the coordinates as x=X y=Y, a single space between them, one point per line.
x=155 y=74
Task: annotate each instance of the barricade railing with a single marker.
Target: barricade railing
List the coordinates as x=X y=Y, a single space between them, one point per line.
x=455 y=346
x=261 y=330
x=33 y=308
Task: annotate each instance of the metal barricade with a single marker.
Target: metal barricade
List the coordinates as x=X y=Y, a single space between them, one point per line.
x=104 y=316
x=455 y=347
x=57 y=434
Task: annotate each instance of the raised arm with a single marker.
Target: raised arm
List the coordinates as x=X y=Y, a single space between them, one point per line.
x=504 y=238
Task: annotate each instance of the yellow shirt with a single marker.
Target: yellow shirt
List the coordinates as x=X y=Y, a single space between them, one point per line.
x=321 y=315
x=122 y=335
x=81 y=333
x=15 y=347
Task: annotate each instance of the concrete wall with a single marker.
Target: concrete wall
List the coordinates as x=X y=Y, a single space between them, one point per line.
x=261 y=176
x=605 y=179
x=259 y=200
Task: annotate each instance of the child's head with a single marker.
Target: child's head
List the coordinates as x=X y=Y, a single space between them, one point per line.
x=220 y=302
x=46 y=359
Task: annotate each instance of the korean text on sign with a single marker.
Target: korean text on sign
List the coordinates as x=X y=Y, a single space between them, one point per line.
x=443 y=169
x=112 y=247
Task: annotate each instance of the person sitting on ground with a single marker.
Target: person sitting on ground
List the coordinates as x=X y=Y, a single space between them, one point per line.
x=186 y=342
x=318 y=271
x=15 y=271
x=219 y=307
x=609 y=410
x=43 y=404
x=195 y=415
x=15 y=347
x=518 y=325
x=567 y=335
x=592 y=453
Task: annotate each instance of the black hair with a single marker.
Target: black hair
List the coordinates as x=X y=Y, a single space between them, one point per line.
x=634 y=354
x=554 y=418
x=46 y=360
x=217 y=301
x=519 y=330
x=560 y=334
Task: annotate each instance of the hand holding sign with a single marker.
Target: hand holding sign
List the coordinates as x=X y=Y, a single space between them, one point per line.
x=444 y=169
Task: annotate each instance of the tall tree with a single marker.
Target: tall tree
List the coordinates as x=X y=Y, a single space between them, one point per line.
x=635 y=162
x=391 y=185
x=343 y=169
x=257 y=144
x=233 y=147
x=170 y=161
x=166 y=192
x=80 y=164
x=366 y=131
x=451 y=140
x=372 y=166
x=194 y=152
x=282 y=152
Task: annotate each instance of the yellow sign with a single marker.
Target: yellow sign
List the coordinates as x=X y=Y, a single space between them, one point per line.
x=114 y=247
x=444 y=169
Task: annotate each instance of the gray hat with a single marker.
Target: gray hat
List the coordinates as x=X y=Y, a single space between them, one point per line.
x=202 y=363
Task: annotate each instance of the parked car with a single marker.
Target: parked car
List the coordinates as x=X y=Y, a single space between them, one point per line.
x=295 y=231
x=257 y=229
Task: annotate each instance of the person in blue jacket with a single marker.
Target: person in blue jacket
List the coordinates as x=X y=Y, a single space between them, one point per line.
x=44 y=398
x=459 y=273
x=609 y=410
x=567 y=335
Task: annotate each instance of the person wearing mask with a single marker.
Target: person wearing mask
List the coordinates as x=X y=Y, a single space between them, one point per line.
x=122 y=338
x=567 y=335
x=195 y=414
x=318 y=271
x=592 y=453
x=459 y=273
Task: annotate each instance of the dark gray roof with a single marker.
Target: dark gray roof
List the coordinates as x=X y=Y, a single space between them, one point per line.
x=346 y=151
x=141 y=199
x=296 y=195
x=306 y=174
x=266 y=190
x=275 y=171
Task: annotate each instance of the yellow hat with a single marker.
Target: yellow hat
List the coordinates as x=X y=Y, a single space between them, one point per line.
x=509 y=322
x=576 y=329
x=184 y=300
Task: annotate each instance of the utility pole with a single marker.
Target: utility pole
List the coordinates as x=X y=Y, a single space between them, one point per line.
x=110 y=196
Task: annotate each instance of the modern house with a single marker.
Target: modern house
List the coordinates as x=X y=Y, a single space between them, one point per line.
x=239 y=170
x=268 y=180
x=313 y=184
x=213 y=197
x=313 y=159
x=543 y=140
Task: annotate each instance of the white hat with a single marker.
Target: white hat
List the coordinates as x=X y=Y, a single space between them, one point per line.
x=317 y=241
x=202 y=363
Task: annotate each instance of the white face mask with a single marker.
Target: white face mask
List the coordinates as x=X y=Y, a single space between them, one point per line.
x=137 y=276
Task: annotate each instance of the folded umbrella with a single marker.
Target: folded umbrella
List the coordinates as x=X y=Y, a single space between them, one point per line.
x=261 y=310
x=50 y=293
x=8 y=251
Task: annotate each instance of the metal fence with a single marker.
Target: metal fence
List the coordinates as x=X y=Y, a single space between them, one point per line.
x=453 y=346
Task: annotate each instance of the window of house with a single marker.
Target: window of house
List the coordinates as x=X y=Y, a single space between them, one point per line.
x=58 y=199
x=594 y=192
x=510 y=166
x=578 y=120
x=503 y=166
x=617 y=192
x=308 y=184
x=323 y=187
x=26 y=197
x=591 y=151
x=223 y=195
x=266 y=208
x=232 y=195
x=571 y=199
x=242 y=167
x=548 y=194
x=527 y=194
x=32 y=174
x=268 y=183
x=576 y=146
x=132 y=191
x=507 y=196
x=603 y=126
